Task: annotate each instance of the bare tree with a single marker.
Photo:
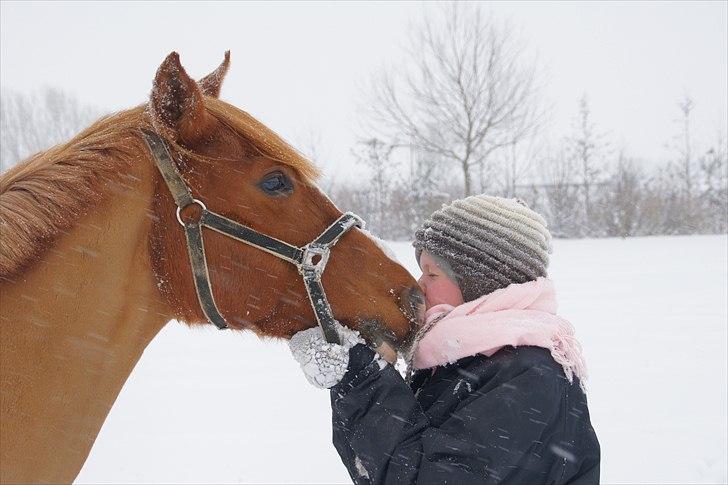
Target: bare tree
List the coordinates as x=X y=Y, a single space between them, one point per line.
x=470 y=92
x=375 y=155
x=680 y=177
x=586 y=147
x=561 y=198
x=712 y=175
x=33 y=122
x=622 y=199
x=516 y=163
x=685 y=149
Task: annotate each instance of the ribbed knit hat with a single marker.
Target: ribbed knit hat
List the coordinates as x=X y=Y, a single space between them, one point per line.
x=489 y=242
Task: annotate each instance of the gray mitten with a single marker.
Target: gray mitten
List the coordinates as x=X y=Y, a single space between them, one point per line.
x=323 y=363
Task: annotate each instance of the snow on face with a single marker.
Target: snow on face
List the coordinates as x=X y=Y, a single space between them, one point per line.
x=436 y=284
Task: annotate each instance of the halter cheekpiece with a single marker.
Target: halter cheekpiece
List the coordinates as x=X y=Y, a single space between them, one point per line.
x=310 y=259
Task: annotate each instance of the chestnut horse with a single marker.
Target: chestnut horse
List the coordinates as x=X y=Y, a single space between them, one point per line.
x=94 y=263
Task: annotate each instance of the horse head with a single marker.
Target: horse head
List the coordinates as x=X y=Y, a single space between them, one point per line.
x=240 y=169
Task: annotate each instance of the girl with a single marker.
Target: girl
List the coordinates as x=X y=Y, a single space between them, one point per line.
x=497 y=392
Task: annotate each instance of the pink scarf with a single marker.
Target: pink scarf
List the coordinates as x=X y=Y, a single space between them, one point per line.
x=521 y=314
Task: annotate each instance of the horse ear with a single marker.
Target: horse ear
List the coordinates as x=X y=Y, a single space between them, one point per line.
x=211 y=84
x=177 y=102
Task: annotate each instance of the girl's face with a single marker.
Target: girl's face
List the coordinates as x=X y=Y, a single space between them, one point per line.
x=436 y=284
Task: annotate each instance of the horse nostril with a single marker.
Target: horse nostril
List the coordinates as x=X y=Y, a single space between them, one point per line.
x=416 y=297
x=414 y=303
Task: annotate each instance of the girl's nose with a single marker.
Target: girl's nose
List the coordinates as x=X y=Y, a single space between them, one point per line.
x=421 y=282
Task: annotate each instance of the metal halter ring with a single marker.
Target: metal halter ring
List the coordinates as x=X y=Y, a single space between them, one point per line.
x=194 y=201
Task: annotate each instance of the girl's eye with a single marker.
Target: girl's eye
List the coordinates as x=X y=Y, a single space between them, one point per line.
x=432 y=275
x=276 y=184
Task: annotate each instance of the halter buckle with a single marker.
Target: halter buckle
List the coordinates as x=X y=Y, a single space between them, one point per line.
x=315 y=258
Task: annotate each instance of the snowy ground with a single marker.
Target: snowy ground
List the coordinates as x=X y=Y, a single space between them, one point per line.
x=651 y=313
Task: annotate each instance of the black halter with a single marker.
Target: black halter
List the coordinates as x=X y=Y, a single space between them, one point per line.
x=310 y=259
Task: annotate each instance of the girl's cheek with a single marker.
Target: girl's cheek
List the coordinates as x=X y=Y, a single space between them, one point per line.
x=443 y=292
x=433 y=295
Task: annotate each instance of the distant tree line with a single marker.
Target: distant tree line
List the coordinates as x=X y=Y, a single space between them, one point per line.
x=581 y=186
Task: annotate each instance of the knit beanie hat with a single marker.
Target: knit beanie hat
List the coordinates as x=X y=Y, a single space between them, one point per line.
x=489 y=243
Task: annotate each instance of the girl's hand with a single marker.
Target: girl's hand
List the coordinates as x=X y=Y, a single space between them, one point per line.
x=323 y=363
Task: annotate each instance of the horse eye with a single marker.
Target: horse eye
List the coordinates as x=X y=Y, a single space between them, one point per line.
x=276 y=184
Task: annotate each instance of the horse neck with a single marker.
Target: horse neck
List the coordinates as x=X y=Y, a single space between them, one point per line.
x=73 y=327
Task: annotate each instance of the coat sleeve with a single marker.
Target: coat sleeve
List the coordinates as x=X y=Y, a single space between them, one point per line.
x=485 y=437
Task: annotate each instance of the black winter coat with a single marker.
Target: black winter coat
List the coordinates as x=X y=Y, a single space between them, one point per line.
x=509 y=418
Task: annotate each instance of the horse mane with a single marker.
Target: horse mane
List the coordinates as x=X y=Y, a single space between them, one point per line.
x=46 y=194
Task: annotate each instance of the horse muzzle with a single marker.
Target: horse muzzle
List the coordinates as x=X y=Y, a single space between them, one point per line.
x=378 y=336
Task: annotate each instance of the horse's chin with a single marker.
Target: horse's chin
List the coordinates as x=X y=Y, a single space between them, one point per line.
x=379 y=336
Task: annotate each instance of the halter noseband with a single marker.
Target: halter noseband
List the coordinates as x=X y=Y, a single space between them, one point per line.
x=310 y=259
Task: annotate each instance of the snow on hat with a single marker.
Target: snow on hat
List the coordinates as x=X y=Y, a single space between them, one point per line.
x=489 y=242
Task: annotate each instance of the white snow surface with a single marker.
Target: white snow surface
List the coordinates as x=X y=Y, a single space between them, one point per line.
x=651 y=313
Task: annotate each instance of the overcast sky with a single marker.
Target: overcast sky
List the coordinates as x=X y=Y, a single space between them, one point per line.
x=300 y=67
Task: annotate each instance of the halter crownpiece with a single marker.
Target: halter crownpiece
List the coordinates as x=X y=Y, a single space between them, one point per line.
x=310 y=259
